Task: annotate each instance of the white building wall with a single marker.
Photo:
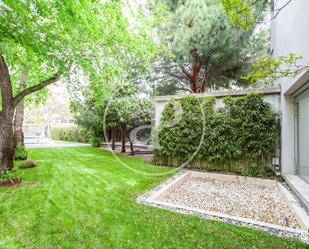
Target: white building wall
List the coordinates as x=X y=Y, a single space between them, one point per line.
x=290 y=34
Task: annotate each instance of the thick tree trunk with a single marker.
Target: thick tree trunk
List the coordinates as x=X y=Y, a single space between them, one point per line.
x=18 y=124
x=193 y=76
x=6 y=142
x=123 y=139
x=6 y=118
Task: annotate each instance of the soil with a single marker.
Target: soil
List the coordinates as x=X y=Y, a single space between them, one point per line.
x=9 y=183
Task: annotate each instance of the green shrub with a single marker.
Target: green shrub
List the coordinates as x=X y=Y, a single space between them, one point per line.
x=71 y=134
x=8 y=175
x=20 y=152
x=96 y=142
x=241 y=137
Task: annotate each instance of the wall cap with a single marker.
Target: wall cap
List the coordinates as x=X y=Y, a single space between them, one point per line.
x=221 y=94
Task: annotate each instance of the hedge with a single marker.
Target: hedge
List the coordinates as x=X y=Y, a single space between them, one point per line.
x=241 y=137
x=71 y=134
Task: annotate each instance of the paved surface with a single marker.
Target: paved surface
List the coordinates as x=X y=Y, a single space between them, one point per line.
x=52 y=144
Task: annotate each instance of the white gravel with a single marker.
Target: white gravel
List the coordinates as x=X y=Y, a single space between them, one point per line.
x=261 y=200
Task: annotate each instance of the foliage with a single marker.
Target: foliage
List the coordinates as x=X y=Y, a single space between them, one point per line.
x=207 y=50
x=40 y=38
x=243 y=13
x=219 y=140
x=20 y=152
x=71 y=134
x=94 y=198
x=275 y=68
x=95 y=141
x=9 y=175
x=124 y=109
x=131 y=111
x=266 y=68
x=181 y=130
x=89 y=116
x=27 y=164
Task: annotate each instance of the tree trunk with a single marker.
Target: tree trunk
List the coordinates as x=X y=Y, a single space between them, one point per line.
x=123 y=139
x=113 y=137
x=19 y=114
x=196 y=68
x=131 y=145
x=205 y=81
x=9 y=103
x=6 y=118
x=18 y=124
x=6 y=142
x=193 y=76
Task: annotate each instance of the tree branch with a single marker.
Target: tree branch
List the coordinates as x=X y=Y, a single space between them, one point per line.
x=37 y=87
x=179 y=77
x=185 y=72
x=277 y=12
x=205 y=80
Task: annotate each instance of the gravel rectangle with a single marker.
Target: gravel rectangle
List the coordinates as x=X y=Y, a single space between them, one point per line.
x=257 y=199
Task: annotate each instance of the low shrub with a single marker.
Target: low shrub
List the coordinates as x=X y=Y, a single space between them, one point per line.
x=20 y=152
x=95 y=141
x=241 y=137
x=71 y=134
x=8 y=175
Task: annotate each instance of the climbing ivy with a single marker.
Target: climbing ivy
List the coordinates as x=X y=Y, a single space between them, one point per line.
x=241 y=137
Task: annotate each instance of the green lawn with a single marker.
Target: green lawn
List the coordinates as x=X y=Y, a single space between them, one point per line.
x=83 y=198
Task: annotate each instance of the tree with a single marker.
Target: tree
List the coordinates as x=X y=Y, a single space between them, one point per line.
x=207 y=50
x=129 y=112
x=52 y=36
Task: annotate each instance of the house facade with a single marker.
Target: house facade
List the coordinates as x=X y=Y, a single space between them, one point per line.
x=290 y=34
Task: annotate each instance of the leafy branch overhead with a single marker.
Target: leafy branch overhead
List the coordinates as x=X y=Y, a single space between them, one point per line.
x=240 y=12
x=275 y=68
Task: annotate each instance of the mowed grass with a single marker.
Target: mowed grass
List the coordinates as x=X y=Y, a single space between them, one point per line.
x=83 y=197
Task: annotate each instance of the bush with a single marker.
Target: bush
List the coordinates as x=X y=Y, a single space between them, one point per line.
x=27 y=164
x=241 y=137
x=8 y=175
x=71 y=134
x=95 y=142
x=20 y=152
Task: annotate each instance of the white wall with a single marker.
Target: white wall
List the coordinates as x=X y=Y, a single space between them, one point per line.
x=290 y=34
x=273 y=99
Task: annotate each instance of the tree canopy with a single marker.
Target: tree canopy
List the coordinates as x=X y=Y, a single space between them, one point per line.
x=208 y=51
x=43 y=41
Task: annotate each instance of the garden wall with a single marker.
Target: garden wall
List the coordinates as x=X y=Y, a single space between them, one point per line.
x=271 y=95
x=235 y=134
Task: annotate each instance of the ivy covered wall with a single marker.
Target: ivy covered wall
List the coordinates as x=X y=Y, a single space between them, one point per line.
x=241 y=137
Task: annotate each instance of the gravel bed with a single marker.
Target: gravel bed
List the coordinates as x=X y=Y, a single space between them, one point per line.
x=258 y=200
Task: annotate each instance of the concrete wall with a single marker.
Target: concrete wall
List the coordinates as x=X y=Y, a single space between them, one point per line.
x=271 y=95
x=290 y=35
